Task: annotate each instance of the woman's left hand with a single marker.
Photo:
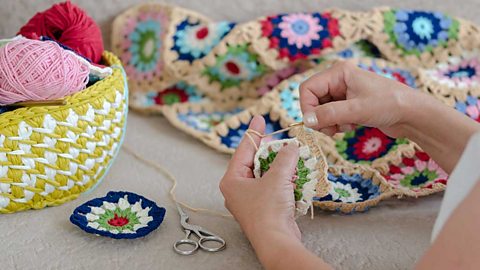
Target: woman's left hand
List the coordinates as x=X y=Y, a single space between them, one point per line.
x=266 y=203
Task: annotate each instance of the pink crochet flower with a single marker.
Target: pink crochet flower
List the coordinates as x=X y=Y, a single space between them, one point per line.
x=417 y=173
x=464 y=74
x=141 y=45
x=300 y=29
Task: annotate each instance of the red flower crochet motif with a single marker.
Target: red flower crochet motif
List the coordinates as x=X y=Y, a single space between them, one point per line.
x=170 y=96
x=371 y=144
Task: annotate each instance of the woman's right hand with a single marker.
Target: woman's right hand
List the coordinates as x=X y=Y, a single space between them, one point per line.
x=344 y=95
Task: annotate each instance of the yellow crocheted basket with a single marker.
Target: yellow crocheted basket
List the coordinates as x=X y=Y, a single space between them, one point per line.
x=50 y=155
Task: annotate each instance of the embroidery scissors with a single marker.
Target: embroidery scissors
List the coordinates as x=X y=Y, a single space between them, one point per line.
x=203 y=236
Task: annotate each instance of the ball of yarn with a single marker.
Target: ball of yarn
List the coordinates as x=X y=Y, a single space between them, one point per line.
x=39 y=70
x=70 y=25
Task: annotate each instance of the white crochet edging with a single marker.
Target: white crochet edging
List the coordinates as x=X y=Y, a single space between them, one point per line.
x=310 y=161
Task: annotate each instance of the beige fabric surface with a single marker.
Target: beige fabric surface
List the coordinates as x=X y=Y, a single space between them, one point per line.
x=390 y=236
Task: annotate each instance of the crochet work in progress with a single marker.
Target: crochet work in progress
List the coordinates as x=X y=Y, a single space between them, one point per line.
x=310 y=173
x=209 y=79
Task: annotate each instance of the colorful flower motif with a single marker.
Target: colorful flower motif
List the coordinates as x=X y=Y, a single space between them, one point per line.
x=366 y=144
x=171 y=96
x=178 y=93
x=299 y=35
x=471 y=107
x=397 y=74
x=142 y=45
x=465 y=73
x=300 y=29
x=300 y=177
x=194 y=40
x=203 y=121
x=344 y=193
x=417 y=173
x=289 y=98
x=234 y=136
x=234 y=67
x=119 y=215
x=415 y=32
x=350 y=189
x=362 y=48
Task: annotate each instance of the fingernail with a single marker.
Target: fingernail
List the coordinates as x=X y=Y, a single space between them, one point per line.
x=310 y=119
x=252 y=120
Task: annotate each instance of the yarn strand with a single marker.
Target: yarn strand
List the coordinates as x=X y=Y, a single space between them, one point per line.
x=174 y=182
x=249 y=136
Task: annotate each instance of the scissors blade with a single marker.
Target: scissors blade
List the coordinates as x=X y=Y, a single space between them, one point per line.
x=180 y=211
x=199 y=230
x=183 y=217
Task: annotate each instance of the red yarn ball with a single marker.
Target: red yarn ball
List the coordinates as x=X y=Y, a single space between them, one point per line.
x=69 y=25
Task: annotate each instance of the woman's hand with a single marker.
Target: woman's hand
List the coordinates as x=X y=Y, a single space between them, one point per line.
x=265 y=207
x=345 y=95
x=263 y=203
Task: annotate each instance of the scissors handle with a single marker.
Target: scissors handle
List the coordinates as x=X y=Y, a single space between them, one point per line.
x=185 y=242
x=205 y=239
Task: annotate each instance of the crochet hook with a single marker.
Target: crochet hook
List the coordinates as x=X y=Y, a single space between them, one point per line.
x=55 y=102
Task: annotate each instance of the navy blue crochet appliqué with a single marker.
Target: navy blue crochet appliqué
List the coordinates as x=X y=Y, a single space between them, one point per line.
x=119 y=215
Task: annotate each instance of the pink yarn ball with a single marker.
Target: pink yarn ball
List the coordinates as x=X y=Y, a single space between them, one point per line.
x=32 y=70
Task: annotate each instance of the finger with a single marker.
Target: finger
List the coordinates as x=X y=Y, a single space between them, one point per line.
x=336 y=113
x=325 y=86
x=329 y=131
x=284 y=164
x=242 y=161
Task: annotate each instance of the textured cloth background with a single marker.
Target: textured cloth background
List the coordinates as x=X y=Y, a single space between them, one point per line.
x=391 y=236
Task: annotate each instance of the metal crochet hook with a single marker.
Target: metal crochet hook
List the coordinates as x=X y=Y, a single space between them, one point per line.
x=56 y=102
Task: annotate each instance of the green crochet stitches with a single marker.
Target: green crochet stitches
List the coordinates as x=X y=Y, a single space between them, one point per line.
x=418 y=178
x=127 y=215
x=416 y=32
x=301 y=173
x=235 y=66
x=343 y=193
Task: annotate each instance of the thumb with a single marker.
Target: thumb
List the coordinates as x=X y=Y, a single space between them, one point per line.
x=335 y=113
x=284 y=164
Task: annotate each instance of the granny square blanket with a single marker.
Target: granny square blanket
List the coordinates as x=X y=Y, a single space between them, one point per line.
x=209 y=79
